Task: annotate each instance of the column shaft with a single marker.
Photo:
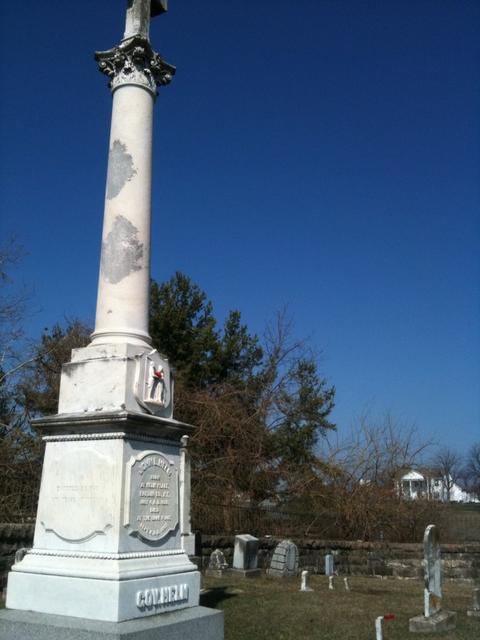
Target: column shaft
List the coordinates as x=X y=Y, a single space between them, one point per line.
x=123 y=288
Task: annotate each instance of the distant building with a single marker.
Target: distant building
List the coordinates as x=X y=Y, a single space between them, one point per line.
x=431 y=485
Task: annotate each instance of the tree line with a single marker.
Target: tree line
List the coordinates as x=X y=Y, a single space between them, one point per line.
x=262 y=409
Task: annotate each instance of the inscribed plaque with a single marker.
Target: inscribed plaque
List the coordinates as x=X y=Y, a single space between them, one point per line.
x=151 y=497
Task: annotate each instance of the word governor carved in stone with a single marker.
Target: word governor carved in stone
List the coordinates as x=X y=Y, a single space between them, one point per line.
x=161 y=597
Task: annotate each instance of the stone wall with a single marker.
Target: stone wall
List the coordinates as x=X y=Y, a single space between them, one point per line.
x=460 y=561
x=362 y=558
x=12 y=538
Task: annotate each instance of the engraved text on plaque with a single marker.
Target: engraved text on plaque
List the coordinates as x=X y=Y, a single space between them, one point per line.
x=151 y=507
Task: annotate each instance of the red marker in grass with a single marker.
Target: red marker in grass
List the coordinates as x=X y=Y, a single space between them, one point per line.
x=378 y=624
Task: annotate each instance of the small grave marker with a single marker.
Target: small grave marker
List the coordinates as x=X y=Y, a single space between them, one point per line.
x=304 y=584
x=378 y=624
x=284 y=561
x=217 y=565
x=329 y=564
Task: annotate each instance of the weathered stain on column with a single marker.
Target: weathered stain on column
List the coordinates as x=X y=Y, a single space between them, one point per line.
x=121 y=252
x=120 y=169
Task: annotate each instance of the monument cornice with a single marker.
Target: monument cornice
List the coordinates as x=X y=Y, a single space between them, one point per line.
x=100 y=425
x=134 y=62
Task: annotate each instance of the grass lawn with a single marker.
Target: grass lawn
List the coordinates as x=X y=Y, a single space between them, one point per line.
x=274 y=609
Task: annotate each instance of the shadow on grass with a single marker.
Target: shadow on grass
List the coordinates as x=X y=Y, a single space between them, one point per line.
x=215 y=595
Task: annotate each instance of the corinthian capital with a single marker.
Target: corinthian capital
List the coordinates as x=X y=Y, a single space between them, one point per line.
x=134 y=61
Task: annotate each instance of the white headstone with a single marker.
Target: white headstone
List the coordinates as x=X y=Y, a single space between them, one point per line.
x=304 y=584
x=330 y=583
x=433 y=571
x=329 y=565
x=434 y=618
x=245 y=555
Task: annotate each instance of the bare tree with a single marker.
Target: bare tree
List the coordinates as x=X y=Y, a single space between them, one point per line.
x=378 y=450
x=471 y=470
x=13 y=304
x=448 y=464
x=362 y=474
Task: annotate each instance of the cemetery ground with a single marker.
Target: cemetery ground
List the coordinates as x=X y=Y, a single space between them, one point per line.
x=275 y=609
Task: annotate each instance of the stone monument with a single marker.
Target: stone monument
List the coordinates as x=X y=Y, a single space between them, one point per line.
x=434 y=619
x=112 y=534
x=284 y=562
x=245 y=556
x=217 y=565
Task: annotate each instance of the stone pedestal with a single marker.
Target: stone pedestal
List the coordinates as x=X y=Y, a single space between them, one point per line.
x=437 y=623
x=245 y=556
x=245 y=573
x=108 y=535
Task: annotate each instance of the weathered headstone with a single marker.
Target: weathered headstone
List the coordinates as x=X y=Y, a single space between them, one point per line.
x=474 y=612
x=304 y=583
x=434 y=619
x=346 y=583
x=329 y=565
x=112 y=534
x=331 y=585
x=284 y=562
x=217 y=565
x=245 y=556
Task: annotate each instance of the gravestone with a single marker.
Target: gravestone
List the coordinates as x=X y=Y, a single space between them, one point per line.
x=434 y=619
x=245 y=556
x=284 y=562
x=474 y=612
x=304 y=584
x=329 y=565
x=217 y=565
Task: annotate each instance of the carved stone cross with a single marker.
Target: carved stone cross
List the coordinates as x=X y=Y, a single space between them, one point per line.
x=139 y=13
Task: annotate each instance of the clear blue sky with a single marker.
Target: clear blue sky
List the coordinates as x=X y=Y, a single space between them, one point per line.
x=318 y=154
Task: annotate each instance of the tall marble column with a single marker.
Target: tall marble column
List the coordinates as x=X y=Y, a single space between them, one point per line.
x=112 y=532
x=135 y=72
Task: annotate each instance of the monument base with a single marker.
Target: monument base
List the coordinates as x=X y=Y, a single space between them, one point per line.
x=106 y=600
x=473 y=613
x=245 y=573
x=216 y=573
x=437 y=623
x=197 y=622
